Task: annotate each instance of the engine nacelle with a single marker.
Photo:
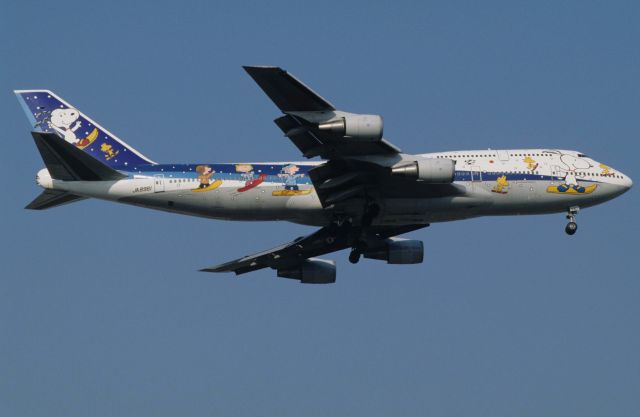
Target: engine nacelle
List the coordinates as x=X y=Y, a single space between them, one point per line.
x=312 y=271
x=431 y=170
x=398 y=251
x=356 y=126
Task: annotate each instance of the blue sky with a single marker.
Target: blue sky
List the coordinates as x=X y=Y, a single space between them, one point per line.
x=102 y=311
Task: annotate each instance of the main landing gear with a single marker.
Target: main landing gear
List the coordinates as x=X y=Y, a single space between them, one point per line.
x=371 y=210
x=354 y=256
x=572 y=226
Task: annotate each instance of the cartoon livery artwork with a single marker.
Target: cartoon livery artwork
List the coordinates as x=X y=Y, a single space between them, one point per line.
x=502 y=185
x=204 y=176
x=108 y=151
x=606 y=171
x=290 y=176
x=250 y=181
x=51 y=114
x=65 y=123
x=572 y=168
x=531 y=163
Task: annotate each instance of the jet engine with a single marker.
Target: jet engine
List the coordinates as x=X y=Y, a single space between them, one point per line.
x=431 y=170
x=312 y=271
x=356 y=126
x=397 y=251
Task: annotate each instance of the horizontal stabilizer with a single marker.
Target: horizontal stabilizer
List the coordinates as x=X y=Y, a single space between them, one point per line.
x=68 y=163
x=52 y=198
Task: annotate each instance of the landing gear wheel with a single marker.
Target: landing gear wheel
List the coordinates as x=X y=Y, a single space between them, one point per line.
x=354 y=256
x=572 y=226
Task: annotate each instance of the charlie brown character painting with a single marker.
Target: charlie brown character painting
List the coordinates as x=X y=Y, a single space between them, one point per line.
x=204 y=174
x=290 y=177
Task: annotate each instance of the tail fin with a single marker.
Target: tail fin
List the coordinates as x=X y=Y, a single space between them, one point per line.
x=49 y=113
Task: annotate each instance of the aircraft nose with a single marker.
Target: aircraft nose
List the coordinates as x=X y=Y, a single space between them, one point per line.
x=626 y=181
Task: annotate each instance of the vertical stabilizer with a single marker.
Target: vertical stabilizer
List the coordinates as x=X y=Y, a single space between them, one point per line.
x=49 y=113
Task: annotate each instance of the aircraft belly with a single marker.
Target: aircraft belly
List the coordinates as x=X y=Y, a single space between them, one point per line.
x=396 y=211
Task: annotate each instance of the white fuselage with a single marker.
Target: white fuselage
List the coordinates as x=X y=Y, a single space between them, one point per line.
x=490 y=182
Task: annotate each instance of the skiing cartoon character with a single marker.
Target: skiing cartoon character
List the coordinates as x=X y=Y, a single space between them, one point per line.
x=606 y=171
x=502 y=185
x=204 y=173
x=108 y=151
x=247 y=174
x=290 y=177
x=246 y=171
x=531 y=163
x=570 y=185
x=65 y=122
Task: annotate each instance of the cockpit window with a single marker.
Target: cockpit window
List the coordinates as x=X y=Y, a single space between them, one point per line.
x=581 y=155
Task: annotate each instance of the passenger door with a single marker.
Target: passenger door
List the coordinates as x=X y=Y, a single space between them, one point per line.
x=158 y=183
x=503 y=155
x=476 y=174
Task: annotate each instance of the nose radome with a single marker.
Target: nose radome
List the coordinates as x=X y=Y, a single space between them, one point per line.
x=626 y=181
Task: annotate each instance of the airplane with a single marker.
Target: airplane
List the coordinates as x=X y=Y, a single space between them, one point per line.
x=362 y=194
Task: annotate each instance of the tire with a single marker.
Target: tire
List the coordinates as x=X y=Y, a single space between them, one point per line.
x=354 y=256
x=571 y=228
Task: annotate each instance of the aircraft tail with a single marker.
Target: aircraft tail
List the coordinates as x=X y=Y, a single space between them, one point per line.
x=65 y=162
x=49 y=113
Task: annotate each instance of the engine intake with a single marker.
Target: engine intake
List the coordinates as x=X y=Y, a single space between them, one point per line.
x=398 y=251
x=312 y=271
x=431 y=170
x=356 y=126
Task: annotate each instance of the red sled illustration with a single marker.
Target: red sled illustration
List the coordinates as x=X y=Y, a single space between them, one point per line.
x=253 y=183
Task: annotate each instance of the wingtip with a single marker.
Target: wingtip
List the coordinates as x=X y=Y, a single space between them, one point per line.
x=257 y=68
x=212 y=269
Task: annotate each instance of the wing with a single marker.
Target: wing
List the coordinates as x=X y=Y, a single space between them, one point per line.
x=286 y=91
x=359 y=159
x=361 y=171
x=314 y=125
x=325 y=240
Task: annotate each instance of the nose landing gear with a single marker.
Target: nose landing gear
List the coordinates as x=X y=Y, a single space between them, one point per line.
x=572 y=226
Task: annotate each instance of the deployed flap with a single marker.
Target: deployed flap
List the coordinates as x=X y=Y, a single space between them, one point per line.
x=287 y=92
x=325 y=240
x=52 y=198
x=66 y=162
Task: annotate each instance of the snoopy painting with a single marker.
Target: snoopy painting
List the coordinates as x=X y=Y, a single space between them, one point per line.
x=65 y=123
x=572 y=167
